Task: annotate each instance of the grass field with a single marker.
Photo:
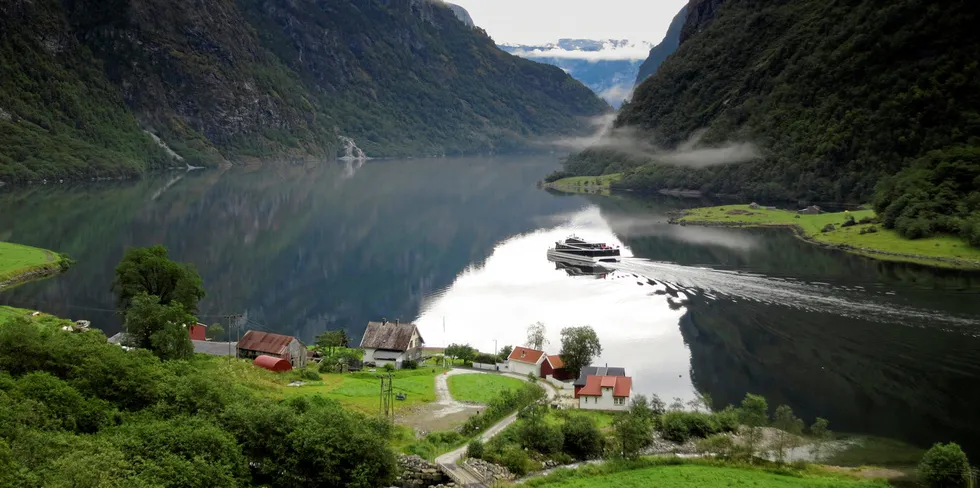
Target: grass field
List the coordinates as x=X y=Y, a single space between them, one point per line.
x=16 y=259
x=361 y=391
x=7 y=313
x=585 y=184
x=701 y=476
x=480 y=388
x=924 y=251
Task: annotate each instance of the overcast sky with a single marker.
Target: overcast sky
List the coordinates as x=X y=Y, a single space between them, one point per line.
x=538 y=21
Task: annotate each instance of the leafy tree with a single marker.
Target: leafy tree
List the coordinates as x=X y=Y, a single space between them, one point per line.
x=332 y=339
x=820 y=432
x=148 y=270
x=538 y=435
x=505 y=352
x=789 y=430
x=753 y=414
x=475 y=449
x=214 y=331
x=536 y=336
x=944 y=466
x=159 y=328
x=579 y=345
x=582 y=438
x=633 y=430
x=460 y=351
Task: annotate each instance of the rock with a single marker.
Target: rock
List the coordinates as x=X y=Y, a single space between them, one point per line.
x=419 y=473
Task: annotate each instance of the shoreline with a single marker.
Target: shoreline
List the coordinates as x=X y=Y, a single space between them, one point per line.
x=839 y=243
x=53 y=263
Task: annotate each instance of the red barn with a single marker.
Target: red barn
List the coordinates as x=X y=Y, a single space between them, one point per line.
x=272 y=363
x=198 y=331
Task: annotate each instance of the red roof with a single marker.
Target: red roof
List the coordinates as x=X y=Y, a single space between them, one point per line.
x=556 y=361
x=525 y=355
x=274 y=344
x=272 y=364
x=621 y=385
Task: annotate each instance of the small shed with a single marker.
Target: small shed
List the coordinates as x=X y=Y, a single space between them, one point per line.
x=272 y=363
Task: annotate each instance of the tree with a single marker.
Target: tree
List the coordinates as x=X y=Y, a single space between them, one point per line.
x=159 y=328
x=579 y=345
x=214 y=331
x=459 y=351
x=633 y=433
x=753 y=414
x=820 y=433
x=505 y=352
x=789 y=430
x=538 y=435
x=944 y=466
x=148 y=270
x=535 y=336
x=332 y=339
x=583 y=439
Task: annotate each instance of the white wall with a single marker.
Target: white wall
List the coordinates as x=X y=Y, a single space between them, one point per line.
x=523 y=368
x=488 y=367
x=605 y=402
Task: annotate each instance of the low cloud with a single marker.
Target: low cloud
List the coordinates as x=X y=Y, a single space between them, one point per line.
x=617 y=93
x=605 y=51
x=627 y=140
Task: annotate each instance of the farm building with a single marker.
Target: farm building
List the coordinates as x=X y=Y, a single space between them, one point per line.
x=523 y=360
x=595 y=371
x=391 y=343
x=606 y=393
x=254 y=344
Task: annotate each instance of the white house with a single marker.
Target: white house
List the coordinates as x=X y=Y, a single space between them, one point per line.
x=391 y=343
x=523 y=361
x=606 y=393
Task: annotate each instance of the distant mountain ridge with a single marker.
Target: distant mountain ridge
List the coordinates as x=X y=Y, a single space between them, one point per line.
x=85 y=81
x=608 y=67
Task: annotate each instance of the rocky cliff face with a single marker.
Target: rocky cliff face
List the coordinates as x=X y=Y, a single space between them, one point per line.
x=700 y=13
x=232 y=80
x=659 y=53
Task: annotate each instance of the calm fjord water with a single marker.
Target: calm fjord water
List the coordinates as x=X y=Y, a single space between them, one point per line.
x=459 y=246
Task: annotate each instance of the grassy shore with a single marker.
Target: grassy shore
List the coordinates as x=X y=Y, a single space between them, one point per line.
x=480 y=388
x=679 y=473
x=941 y=251
x=585 y=184
x=20 y=263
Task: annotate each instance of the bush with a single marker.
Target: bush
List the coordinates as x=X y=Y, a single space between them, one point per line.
x=309 y=375
x=410 y=364
x=944 y=466
x=501 y=406
x=679 y=426
x=388 y=368
x=720 y=445
x=582 y=438
x=485 y=358
x=828 y=228
x=537 y=435
x=475 y=449
x=515 y=460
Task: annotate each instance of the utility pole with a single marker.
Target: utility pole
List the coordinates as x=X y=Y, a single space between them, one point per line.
x=238 y=327
x=386 y=408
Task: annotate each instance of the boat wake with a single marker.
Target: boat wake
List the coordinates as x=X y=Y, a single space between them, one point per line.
x=856 y=302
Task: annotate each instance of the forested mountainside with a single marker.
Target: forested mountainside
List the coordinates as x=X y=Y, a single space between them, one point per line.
x=848 y=101
x=85 y=82
x=666 y=47
x=605 y=66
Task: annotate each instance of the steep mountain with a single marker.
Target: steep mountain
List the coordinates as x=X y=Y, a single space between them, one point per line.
x=608 y=67
x=666 y=47
x=847 y=102
x=88 y=85
x=462 y=14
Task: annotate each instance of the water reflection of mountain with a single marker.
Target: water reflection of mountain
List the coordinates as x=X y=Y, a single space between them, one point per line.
x=299 y=246
x=915 y=383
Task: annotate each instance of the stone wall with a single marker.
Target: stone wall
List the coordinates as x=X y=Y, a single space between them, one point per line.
x=419 y=473
x=489 y=472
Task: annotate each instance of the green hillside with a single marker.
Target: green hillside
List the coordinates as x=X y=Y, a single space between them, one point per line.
x=85 y=82
x=848 y=101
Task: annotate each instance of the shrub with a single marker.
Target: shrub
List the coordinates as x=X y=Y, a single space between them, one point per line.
x=679 y=426
x=944 y=466
x=309 y=375
x=828 y=228
x=582 y=438
x=485 y=358
x=410 y=364
x=388 y=367
x=515 y=460
x=475 y=449
x=537 y=435
x=720 y=445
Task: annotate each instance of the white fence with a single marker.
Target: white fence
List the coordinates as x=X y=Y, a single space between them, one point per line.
x=490 y=367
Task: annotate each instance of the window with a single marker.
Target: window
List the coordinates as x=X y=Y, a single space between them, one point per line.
x=620 y=401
